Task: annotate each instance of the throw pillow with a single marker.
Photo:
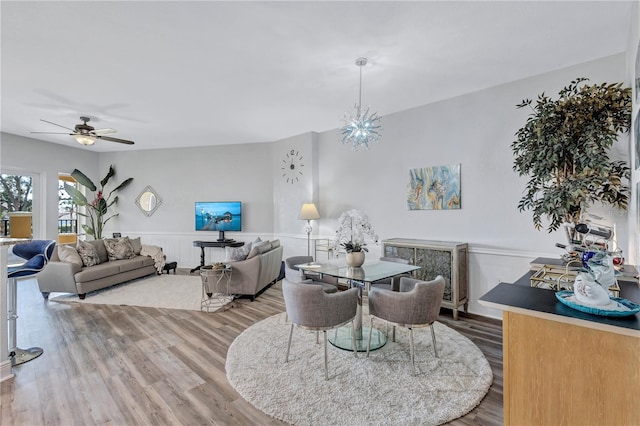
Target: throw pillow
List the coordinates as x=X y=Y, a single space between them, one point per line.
x=237 y=253
x=136 y=244
x=87 y=253
x=103 y=256
x=119 y=248
x=259 y=248
x=275 y=244
x=69 y=254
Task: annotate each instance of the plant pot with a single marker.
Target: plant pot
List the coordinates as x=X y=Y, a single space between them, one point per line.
x=355 y=258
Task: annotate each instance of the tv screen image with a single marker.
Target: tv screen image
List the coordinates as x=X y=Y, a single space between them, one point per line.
x=218 y=216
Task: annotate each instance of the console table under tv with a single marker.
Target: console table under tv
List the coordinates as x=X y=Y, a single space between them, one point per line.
x=221 y=244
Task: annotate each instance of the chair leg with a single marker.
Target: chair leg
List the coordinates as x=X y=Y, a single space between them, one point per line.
x=369 y=340
x=286 y=358
x=413 y=364
x=326 y=369
x=433 y=338
x=12 y=315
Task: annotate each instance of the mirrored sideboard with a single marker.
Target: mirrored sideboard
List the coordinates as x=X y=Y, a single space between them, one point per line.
x=449 y=259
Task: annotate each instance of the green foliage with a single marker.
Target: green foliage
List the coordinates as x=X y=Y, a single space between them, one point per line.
x=97 y=209
x=15 y=194
x=564 y=149
x=352 y=246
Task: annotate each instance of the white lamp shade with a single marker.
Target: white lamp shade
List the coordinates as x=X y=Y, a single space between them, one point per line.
x=309 y=212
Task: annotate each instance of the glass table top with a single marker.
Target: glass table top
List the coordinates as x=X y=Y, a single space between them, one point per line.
x=368 y=272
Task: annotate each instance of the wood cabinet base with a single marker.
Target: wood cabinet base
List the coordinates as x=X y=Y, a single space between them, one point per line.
x=563 y=374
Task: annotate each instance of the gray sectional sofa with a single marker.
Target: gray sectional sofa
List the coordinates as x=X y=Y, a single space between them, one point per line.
x=70 y=276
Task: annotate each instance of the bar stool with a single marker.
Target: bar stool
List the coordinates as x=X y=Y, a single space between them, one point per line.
x=37 y=253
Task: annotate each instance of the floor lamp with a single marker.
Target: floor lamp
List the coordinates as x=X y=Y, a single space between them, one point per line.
x=309 y=212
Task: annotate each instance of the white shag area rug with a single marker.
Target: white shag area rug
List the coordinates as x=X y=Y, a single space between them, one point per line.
x=379 y=390
x=156 y=291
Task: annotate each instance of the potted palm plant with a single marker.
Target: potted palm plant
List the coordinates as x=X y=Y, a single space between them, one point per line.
x=564 y=150
x=96 y=210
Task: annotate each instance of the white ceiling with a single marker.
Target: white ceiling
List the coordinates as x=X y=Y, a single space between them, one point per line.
x=170 y=74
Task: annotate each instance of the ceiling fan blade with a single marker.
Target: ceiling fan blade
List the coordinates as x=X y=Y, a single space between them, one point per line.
x=110 y=139
x=50 y=122
x=104 y=131
x=55 y=133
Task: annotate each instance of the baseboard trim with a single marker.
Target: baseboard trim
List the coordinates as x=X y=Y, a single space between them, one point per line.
x=6 y=372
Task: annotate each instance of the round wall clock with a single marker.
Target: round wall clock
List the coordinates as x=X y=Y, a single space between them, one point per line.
x=292 y=166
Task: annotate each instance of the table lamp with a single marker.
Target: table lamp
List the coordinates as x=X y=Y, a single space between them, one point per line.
x=308 y=212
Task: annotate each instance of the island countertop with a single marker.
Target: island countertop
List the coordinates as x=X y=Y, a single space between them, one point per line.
x=542 y=303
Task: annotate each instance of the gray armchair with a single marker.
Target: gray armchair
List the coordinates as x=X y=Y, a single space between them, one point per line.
x=310 y=308
x=417 y=304
x=293 y=274
x=392 y=283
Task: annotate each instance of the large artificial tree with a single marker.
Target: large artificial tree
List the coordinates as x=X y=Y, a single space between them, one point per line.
x=564 y=150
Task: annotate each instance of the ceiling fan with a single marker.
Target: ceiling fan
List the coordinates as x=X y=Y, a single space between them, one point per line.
x=86 y=134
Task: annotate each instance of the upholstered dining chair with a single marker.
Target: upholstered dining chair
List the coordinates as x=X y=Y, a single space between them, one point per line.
x=310 y=308
x=392 y=283
x=417 y=304
x=37 y=254
x=295 y=275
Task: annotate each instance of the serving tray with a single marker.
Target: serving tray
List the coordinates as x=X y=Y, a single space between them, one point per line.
x=618 y=307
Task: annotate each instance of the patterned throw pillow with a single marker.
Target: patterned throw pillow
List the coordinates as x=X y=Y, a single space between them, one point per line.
x=136 y=244
x=237 y=253
x=120 y=248
x=69 y=254
x=88 y=253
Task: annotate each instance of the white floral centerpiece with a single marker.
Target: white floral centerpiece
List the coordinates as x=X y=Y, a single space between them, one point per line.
x=353 y=226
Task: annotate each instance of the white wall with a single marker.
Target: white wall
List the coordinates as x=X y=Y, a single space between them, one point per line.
x=46 y=160
x=474 y=130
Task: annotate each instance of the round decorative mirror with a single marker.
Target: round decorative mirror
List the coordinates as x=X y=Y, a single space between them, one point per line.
x=148 y=201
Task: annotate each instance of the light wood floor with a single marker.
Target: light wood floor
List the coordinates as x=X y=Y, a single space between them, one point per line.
x=119 y=365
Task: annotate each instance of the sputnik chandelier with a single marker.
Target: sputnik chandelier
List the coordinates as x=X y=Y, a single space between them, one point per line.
x=363 y=128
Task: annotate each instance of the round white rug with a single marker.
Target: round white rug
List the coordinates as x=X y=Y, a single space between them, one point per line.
x=379 y=390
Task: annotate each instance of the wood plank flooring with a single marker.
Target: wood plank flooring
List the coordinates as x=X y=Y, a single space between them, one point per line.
x=120 y=365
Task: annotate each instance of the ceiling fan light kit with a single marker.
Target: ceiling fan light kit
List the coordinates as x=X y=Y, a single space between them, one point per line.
x=85 y=134
x=85 y=139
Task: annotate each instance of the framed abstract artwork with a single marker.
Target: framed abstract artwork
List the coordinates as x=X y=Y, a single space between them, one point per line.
x=434 y=188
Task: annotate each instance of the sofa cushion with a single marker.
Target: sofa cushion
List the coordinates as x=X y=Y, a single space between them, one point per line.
x=119 y=248
x=88 y=253
x=275 y=244
x=102 y=251
x=237 y=253
x=136 y=244
x=69 y=254
x=98 y=271
x=136 y=262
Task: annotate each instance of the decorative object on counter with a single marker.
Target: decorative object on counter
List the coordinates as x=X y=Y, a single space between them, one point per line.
x=361 y=129
x=148 y=201
x=617 y=307
x=563 y=150
x=588 y=291
x=434 y=188
x=96 y=210
x=353 y=226
x=308 y=212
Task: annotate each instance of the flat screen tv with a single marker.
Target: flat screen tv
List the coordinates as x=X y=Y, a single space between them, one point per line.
x=219 y=216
